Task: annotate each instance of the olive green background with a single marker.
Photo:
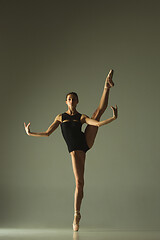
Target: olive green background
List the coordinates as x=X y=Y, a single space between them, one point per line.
x=49 y=48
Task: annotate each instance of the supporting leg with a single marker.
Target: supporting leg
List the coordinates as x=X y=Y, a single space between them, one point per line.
x=91 y=131
x=78 y=163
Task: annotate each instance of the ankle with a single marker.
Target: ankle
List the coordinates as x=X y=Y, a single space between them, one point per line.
x=76 y=212
x=107 y=85
x=107 y=88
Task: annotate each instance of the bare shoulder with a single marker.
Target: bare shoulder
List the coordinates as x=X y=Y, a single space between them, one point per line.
x=83 y=117
x=59 y=118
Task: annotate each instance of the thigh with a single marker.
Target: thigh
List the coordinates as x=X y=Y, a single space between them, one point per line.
x=78 y=164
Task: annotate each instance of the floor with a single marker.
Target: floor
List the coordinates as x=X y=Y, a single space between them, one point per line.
x=82 y=234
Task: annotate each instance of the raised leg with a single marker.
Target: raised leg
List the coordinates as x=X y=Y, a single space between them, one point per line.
x=91 y=131
x=78 y=163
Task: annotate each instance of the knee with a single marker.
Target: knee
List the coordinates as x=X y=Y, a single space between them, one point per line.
x=79 y=184
x=97 y=114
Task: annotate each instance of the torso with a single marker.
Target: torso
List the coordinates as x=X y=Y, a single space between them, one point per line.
x=71 y=131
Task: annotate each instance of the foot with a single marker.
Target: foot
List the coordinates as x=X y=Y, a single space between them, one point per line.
x=77 y=217
x=109 y=83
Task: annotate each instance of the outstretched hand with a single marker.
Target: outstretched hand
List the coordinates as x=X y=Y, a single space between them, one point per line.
x=27 y=129
x=115 y=111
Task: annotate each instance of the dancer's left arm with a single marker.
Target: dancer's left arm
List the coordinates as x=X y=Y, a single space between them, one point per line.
x=96 y=123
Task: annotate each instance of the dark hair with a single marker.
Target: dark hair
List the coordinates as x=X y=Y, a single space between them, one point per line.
x=73 y=93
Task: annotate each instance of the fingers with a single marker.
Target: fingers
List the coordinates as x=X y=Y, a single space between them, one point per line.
x=114 y=107
x=27 y=125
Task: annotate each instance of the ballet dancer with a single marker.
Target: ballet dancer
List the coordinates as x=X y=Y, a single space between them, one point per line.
x=79 y=142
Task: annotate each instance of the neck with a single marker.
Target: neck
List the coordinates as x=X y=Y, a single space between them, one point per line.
x=71 y=111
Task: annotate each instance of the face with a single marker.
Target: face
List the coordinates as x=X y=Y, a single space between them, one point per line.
x=71 y=101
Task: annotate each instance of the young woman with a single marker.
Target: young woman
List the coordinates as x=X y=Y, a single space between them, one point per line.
x=78 y=142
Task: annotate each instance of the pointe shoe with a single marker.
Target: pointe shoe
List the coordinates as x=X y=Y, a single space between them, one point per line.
x=109 y=83
x=77 y=217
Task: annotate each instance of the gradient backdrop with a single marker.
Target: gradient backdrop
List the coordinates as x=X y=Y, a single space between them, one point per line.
x=49 y=48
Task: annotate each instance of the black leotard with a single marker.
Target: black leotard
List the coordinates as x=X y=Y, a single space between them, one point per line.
x=71 y=131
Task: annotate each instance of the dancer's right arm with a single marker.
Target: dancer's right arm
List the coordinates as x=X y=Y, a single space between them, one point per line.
x=48 y=132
